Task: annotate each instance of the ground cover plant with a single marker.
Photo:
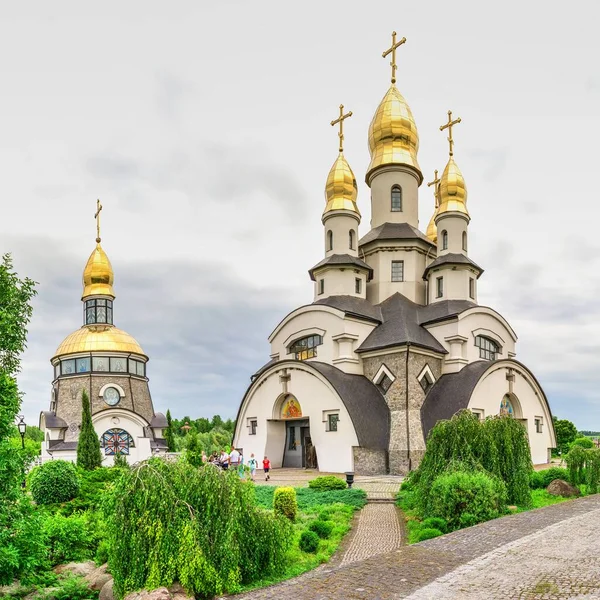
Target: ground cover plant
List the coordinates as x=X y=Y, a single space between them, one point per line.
x=308 y=498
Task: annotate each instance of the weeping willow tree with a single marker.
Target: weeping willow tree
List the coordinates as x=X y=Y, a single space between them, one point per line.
x=498 y=446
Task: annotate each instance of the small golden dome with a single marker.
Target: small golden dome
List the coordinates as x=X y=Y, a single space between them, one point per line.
x=393 y=135
x=98 y=338
x=431 y=232
x=98 y=275
x=453 y=190
x=341 y=190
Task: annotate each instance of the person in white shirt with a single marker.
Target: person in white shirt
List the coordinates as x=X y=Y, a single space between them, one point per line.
x=234 y=459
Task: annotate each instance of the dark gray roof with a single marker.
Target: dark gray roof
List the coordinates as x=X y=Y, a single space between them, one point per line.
x=159 y=420
x=365 y=404
x=395 y=231
x=400 y=326
x=444 y=309
x=453 y=258
x=52 y=421
x=451 y=393
x=54 y=445
x=353 y=306
x=342 y=260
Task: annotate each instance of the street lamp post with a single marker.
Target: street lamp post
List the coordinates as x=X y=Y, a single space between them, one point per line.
x=22 y=427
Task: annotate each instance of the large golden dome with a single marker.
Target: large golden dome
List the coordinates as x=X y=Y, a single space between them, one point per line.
x=98 y=274
x=341 y=190
x=393 y=135
x=98 y=338
x=453 y=190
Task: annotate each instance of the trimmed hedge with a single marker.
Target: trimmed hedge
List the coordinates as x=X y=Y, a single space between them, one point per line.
x=54 y=482
x=309 y=541
x=327 y=483
x=322 y=528
x=285 y=503
x=428 y=533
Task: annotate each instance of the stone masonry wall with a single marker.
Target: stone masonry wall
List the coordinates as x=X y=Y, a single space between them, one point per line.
x=369 y=462
x=401 y=459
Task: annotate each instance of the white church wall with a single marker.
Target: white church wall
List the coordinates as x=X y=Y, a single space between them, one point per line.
x=492 y=387
x=381 y=196
x=455 y=226
x=328 y=323
x=315 y=395
x=340 y=281
x=340 y=226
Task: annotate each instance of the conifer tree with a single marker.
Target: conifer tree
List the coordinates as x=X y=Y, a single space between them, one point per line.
x=88 y=448
x=169 y=437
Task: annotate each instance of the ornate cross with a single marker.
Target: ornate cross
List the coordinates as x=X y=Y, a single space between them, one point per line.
x=435 y=182
x=340 y=120
x=97 y=217
x=392 y=49
x=283 y=379
x=448 y=126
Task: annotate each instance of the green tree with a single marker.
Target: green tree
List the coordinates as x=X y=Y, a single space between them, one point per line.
x=216 y=422
x=169 y=437
x=88 y=448
x=566 y=432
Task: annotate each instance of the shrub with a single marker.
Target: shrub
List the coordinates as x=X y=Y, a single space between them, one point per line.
x=72 y=588
x=322 y=528
x=89 y=456
x=542 y=479
x=69 y=538
x=584 y=442
x=285 y=503
x=427 y=533
x=575 y=460
x=120 y=462
x=435 y=523
x=593 y=469
x=327 y=483
x=170 y=521
x=309 y=541
x=477 y=494
x=308 y=498
x=53 y=482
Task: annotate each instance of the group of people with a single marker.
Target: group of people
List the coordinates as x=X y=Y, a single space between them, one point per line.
x=235 y=460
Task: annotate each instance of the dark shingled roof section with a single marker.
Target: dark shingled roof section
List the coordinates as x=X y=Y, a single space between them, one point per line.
x=342 y=260
x=452 y=258
x=451 y=393
x=159 y=420
x=52 y=421
x=400 y=326
x=395 y=231
x=61 y=445
x=438 y=311
x=353 y=306
x=367 y=407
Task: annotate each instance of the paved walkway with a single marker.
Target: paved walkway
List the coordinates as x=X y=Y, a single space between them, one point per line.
x=549 y=553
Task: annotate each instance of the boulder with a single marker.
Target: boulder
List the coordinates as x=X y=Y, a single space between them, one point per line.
x=159 y=594
x=106 y=593
x=82 y=569
x=558 y=487
x=98 y=577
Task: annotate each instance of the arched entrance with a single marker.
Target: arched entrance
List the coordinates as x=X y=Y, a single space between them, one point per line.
x=298 y=450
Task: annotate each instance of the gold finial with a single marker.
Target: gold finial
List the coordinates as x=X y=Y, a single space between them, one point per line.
x=436 y=189
x=392 y=49
x=448 y=126
x=340 y=120
x=97 y=217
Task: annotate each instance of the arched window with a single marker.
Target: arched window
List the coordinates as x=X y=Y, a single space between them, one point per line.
x=116 y=441
x=305 y=347
x=444 y=240
x=351 y=239
x=488 y=349
x=330 y=240
x=396 y=199
x=464 y=241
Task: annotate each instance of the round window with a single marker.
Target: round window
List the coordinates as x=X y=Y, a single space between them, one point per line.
x=111 y=396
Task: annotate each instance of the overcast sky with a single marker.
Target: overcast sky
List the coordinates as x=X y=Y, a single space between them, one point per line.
x=204 y=129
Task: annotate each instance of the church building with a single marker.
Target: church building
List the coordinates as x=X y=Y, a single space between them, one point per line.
x=395 y=339
x=111 y=366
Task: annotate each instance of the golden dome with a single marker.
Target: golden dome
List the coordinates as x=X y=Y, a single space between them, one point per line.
x=393 y=135
x=341 y=190
x=98 y=338
x=431 y=232
x=98 y=274
x=453 y=190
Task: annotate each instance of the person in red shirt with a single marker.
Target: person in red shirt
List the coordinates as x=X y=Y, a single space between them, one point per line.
x=266 y=467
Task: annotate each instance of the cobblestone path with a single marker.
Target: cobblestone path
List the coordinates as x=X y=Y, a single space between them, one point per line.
x=524 y=542
x=378 y=531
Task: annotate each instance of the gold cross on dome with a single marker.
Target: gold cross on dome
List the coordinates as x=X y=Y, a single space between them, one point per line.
x=392 y=49
x=340 y=120
x=436 y=189
x=97 y=217
x=448 y=126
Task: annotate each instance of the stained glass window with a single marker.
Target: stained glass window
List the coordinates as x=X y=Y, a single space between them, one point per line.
x=100 y=363
x=332 y=421
x=68 y=366
x=83 y=365
x=117 y=441
x=488 y=349
x=98 y=310
x=506 y=407
x=305 y=347
x=141 y=367
x=117 y=365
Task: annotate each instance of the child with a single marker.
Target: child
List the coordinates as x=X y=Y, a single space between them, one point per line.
x=252 y=463
x=266 y=467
